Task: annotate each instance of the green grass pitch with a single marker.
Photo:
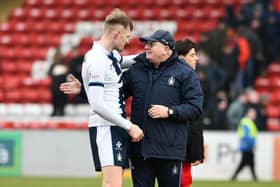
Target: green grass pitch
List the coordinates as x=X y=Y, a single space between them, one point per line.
x=96 y=182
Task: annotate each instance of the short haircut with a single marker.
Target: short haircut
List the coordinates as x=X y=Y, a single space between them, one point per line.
x=117 y=17
x=184 y=46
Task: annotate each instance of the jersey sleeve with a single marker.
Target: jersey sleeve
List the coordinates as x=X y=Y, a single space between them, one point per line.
x=127 y=61
x=96 y=76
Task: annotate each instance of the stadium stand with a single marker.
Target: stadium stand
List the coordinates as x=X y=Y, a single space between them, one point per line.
x=36 y=27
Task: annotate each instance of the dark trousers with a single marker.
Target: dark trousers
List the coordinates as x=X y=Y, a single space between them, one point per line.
x=167 y=172
x=247 y=159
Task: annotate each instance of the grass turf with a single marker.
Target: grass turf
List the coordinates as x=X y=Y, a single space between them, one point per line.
x=96 y=182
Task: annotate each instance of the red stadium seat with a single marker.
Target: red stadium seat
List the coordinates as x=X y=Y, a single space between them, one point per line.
x=36 y=14
x=183 y=14
x=2 y=98
x=12 y=96
x=32 y=3
x=65 y=3
x=273 y=124
x=274 y=69
x=262 y=84
x=274 y=98
x=134 y=13
x=165 y=14
x=82 y=4
x=69 y=15
x=275 y=83
x=45 y=82
x=7 y=27
x=11 y=83
x=100 y=14
x=44 y=95
x=8 y=67
x=206 y=26
x=147 y=13
x=49 y=3
x=85 y=14
x=163 y=3
x=19 y=14
x=6 y=40
x=29 y=95
x=272 y=111
x=22 y=40
x=69 y=27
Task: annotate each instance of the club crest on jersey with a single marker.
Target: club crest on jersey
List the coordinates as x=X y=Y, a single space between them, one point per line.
x=118 y=146
x=171 y=81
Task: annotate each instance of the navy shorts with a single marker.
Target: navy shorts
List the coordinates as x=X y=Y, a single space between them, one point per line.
x=109 y=146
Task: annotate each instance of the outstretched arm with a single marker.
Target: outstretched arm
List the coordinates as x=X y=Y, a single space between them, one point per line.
x=72 y=86
x=127 y=61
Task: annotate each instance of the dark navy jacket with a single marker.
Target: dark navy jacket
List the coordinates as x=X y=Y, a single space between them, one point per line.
x=174 y=85
x=195 y=144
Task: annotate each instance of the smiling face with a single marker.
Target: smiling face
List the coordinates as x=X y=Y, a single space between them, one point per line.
x=156 y=52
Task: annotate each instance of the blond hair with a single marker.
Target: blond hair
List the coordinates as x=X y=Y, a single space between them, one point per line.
x=117 y=17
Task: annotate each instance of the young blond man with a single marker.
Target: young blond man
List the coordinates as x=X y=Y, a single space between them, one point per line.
x=101 y=75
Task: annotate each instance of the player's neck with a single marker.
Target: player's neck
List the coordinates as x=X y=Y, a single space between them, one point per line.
x=106 y=42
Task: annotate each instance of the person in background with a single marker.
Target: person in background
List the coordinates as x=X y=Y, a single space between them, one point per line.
x=186 y=50
x=58 y=72
x=247 y=132
x=75 y=68
x=236 y=110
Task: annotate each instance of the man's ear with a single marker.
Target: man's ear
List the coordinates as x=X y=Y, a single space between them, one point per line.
x=116 y=33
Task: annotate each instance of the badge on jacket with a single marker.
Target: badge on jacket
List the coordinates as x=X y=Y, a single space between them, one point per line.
x=171 y=81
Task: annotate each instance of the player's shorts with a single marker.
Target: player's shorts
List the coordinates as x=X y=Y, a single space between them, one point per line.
x=109 y=146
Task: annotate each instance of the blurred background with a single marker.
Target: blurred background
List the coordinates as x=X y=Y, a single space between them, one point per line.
x=42 y=41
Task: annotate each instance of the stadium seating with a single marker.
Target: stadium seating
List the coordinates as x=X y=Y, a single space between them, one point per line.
x=38 y=25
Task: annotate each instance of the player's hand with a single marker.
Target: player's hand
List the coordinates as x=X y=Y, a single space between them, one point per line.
x=158 y=111
x=135 y=133
x=195 y=163
x=72 y=86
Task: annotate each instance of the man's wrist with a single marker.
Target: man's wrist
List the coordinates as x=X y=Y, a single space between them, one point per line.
x=170 y=112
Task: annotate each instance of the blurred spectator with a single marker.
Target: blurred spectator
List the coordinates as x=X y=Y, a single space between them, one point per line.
x=236 y=110
x=218 y=112
x=216 y=40
x=247 y=11
x=271 y=25
x=204 y=42
x=255 y=102
x=245 y=70
x=75 y=67
x=230 y=65
x=231 y=19
x=58 y=72
x=211 y=76
x=255 y=45
x=247 y=132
